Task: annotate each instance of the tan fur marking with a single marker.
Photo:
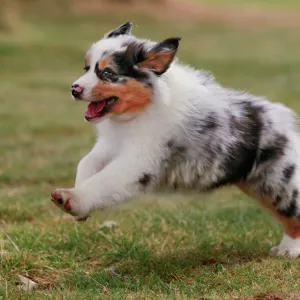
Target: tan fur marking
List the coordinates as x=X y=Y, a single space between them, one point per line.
x=157 y=61
x=103 y=63
x=133 y=96
x=291 y=225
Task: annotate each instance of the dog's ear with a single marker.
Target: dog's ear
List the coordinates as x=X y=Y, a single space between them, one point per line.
x=157 y=59
x=122 y=29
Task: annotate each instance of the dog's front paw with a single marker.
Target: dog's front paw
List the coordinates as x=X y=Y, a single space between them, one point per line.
x=70 y=201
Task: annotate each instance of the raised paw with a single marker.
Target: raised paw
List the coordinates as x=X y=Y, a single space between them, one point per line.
x=70 y=202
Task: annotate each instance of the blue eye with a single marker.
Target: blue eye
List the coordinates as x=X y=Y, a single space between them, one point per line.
x=107 y=73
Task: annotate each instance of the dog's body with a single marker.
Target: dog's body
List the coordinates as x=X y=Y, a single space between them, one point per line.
x=168 y=124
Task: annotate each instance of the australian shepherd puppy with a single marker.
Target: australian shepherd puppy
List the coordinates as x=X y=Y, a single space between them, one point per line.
x=160 y=122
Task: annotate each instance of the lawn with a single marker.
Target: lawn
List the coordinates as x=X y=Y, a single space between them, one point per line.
x=162 y=246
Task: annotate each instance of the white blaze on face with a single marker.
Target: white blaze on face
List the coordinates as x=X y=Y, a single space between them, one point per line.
x=89 y=80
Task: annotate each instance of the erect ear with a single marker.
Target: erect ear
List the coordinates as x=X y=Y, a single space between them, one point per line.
x=159 y=58
x=123 y=29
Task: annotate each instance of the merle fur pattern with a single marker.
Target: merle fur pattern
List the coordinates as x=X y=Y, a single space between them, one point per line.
x=193 y=134
x=235 y=138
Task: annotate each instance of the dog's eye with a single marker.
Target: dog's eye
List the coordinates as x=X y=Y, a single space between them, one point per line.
x=86 y=68
x=107 y=73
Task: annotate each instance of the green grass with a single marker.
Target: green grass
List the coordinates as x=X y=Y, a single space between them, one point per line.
x=165 y=246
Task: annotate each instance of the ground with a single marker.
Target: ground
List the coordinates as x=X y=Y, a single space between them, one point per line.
x=183 y=246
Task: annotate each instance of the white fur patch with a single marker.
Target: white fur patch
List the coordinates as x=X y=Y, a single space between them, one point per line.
x=288 y=246
x=195 y=134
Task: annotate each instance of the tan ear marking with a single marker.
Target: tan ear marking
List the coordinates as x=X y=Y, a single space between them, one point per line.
x=157 y=61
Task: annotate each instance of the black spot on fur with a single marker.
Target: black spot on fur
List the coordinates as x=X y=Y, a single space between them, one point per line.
x=277 y=200
x=170 y=144
x=238 y=159
x=273 y=151
x=175 y=185
x=288 y=173
x=125 y=64
x=134 y=54
x=295 y=194
x=208 y=124
x=176 y=149
x=203 y=126
x=291 y=210
x=137 y=53
x=242 y=154
x=145 y=179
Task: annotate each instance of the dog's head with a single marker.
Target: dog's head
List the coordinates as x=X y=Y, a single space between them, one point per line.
x=120 y=73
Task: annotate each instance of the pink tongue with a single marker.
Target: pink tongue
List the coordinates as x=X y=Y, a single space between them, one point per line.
x=94 y=108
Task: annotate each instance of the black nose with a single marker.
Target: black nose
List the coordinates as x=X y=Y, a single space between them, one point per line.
x=76 y=90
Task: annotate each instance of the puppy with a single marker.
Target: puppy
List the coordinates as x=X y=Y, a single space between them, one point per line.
x=160 y=122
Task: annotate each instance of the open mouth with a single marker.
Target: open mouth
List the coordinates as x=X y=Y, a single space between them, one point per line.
x=98 y=109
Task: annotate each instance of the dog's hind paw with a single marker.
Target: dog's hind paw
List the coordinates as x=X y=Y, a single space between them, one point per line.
x=288 y=247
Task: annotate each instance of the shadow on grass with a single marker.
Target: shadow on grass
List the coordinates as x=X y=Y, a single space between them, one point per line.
x=159 y=272
x=185 y=261
x=182 y=263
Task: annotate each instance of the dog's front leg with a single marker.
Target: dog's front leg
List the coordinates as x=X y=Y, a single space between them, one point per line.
x=93 y=162
x=122 y=179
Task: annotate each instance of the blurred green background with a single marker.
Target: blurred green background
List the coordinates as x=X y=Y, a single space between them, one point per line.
x=184 y=246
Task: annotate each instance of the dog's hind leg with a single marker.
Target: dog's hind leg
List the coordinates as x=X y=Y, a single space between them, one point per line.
x=286 y=208
x=290 y=244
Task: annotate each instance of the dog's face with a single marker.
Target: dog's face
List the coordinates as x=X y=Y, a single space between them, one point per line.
x=120 y=73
